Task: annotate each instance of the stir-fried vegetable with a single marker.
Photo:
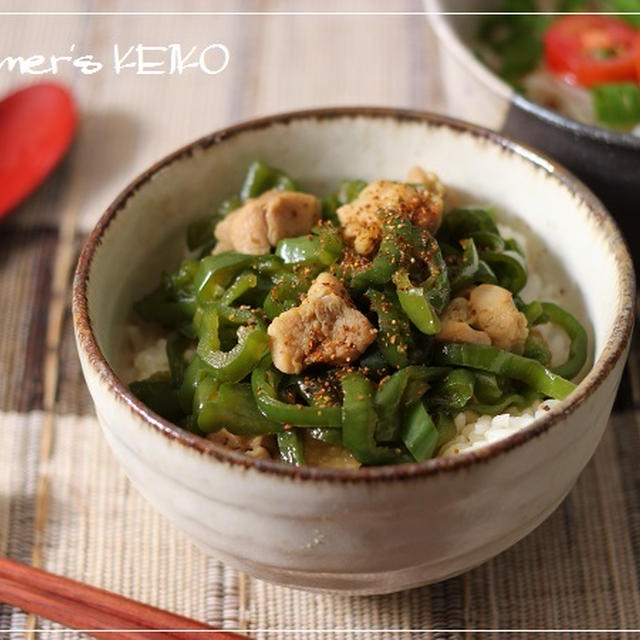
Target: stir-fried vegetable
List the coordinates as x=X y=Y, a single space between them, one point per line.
x=598 y=52
x=394 y=399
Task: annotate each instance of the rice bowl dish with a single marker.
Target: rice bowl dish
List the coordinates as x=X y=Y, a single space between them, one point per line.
x=374 y=529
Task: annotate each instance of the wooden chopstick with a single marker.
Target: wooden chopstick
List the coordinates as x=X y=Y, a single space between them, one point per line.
x=80 y=606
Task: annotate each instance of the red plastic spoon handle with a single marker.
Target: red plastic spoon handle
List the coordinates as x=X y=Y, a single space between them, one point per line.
x=37 y=125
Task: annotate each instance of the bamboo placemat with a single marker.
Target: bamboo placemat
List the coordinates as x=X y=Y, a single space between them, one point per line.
x=64 y=502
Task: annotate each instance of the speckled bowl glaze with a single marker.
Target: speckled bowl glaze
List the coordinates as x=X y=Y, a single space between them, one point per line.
x=378 y=529
x=607 y=161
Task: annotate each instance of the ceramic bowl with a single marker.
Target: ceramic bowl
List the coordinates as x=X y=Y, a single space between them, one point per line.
x=379 y=529
x=607 y=161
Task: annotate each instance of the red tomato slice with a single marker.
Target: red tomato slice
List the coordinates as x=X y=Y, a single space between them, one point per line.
x=590 y=50
x=36 y=128
x=638 y=57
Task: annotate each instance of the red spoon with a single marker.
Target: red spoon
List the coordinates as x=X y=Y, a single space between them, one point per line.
x=36 y=128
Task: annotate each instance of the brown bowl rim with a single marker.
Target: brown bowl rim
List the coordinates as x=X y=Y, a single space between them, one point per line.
x=613 y=349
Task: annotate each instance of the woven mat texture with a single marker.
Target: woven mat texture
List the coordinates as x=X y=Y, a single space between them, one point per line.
x=64 y=502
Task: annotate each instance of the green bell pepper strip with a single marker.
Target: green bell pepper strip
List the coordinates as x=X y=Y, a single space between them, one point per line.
x=506 y=364
x=159 y=394
x=269 y=265
x=245 y=281
x=487 y=240
x=181 y=282
x=446 y=429
x=330 y=436
x=415 y=304
x=419 y=433
x=453 y=392
x=373 y=362
x=290 y=286
x=396 y=235
x=232 y=406
x=533 y=312
x=509 y=267
x=228 y=205
x=535 y=348
x=208 y=323
x=511 y=244
x=281 y=298
x=264 y=382
x=290 y=447
x=201 y=232
x=177 y=345
x=394 y=331
x=359 y=420
x=284 y=183
x=234 y=365
x=577 y=335
x=161 y=307
x=317 y=391
x=404 y=387
x=205 y=386
x=436 y=286
x=471 y=270
x=487 y=387
x=196 y=370
x=301 y=249
x=349 y=190
x=518 y=400
x=261 y=177
x=238 y=315
x=323 y=245
x=172 y=302
x=468 y=268
x=465 y=221
x=329 y=206
x=216 y=272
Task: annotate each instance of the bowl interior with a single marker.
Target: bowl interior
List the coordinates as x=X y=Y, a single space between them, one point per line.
x=576 y=250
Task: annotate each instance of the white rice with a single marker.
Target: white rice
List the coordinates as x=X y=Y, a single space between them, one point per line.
x=147 y=351
x=475 y=431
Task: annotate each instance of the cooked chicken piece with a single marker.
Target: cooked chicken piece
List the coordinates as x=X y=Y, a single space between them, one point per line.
x=245 y=229
x=493 y=311
x=289 y=214
x=252 y=446
x=261 y=222
x=458 y=331
x=324 y=328
x=359 y=219
x=429 y=217
x=362 y=225
x=417 y=175
x=457 y=309
x=326 y=283
x=221 y=247
x=455 y=325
